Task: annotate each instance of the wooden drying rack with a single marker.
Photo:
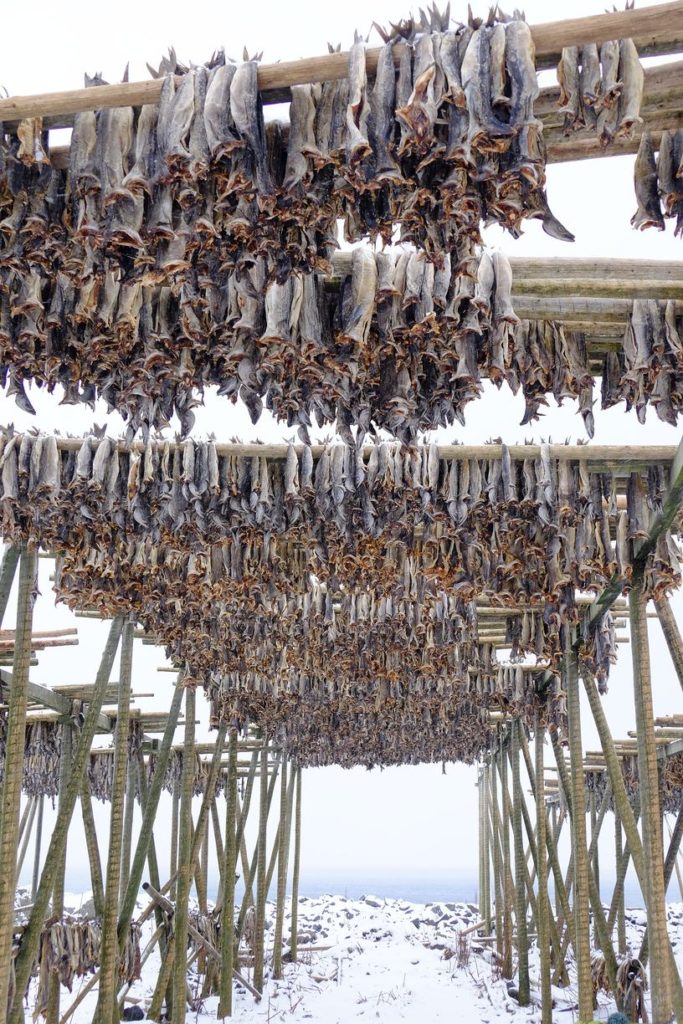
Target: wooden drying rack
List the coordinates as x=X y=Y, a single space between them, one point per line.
x=656 y=30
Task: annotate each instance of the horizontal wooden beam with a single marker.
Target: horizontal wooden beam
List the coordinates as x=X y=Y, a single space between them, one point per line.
x=626 y=456
x=51 y=700
x=646 y=25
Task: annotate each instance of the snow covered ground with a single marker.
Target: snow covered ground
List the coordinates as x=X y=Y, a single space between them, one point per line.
x=386 y=961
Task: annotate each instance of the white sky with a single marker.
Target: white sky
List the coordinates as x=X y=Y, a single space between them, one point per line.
x=399 y=819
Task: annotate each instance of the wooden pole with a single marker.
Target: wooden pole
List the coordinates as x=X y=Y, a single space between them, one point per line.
x=31 y=936
x=644 y=24
x=669 y=864
x=578 y=819
x=672 y=634
x=39 y=841
x=552 y=838
x=53 y=998
x=487 y=849
x=179 y=979
x=621 y=910
x=496 y=860
x=128 y=825
x=660 y=972
x=203 y=897
x=228 y=910
x=507 y=861
x=250 y=875
x=282 y=862
x=261 y=867
x=628 y=820
x=296 y=871
x=109 y=948
x=92 y=845
x=10 y=559
x=520 y=869
x=543 y=902
x=149 y=813
x=10 y=794
x=175 y=813
x=26 y=830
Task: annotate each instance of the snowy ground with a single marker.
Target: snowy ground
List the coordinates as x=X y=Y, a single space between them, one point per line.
x=387 y=961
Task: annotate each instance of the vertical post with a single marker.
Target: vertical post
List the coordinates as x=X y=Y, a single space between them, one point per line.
x=31 y=937
x=228 y=908
x=520 y=869
x=52 y=1014
x=543 y=911
x=93 y=847
x=507 y=874
x=486 y=917
x=150 y=798
x=578 y=821
x=39 y=842
x=106 y=1001
x=671 y=633
x=621 y=910
x=628 y=819
x=204 y=868
x=10 y=795
x=294 y=944
x=26 y=829
x=660 y=965
x=175 y=813
x=180 y=920
x=283 y=850
x=480 y=837
x=495 y=839
x=128 y=826
x=8 y=569
x=261 y=871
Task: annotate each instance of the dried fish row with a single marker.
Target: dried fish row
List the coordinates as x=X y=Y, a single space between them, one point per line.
x=311 y=351
x=349 y=576
x=444 y=141
x=601 y=89
x=372 y=737
x=41 y=757
x=70 y=949
x=174 y=771
x=648 y=368
x=659 y=182
x=670 y=782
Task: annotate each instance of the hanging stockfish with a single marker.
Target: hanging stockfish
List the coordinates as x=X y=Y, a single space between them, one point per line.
x=71 y=949
x=143 y=272
x=601 y=89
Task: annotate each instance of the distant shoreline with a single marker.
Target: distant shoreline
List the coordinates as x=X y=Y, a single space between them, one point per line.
x=411 y=886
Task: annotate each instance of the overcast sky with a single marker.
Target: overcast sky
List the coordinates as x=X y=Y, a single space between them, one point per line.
x=400 y=819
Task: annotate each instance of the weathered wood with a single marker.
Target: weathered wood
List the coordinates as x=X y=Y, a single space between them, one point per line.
x=106 y=999
x=660 y=970
x=520 y=868
x=31 y=937
x=149 y=814
x=228 y=909
x=10 y=793
x=54 y=985
x=10 y=559
x=543 y=913
x=296 y=870
x=645 y=25
x=39 y=840
x=181 y=919
x=579 y=848
x=628 y=457
x=672 y=635
x=96 y=876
